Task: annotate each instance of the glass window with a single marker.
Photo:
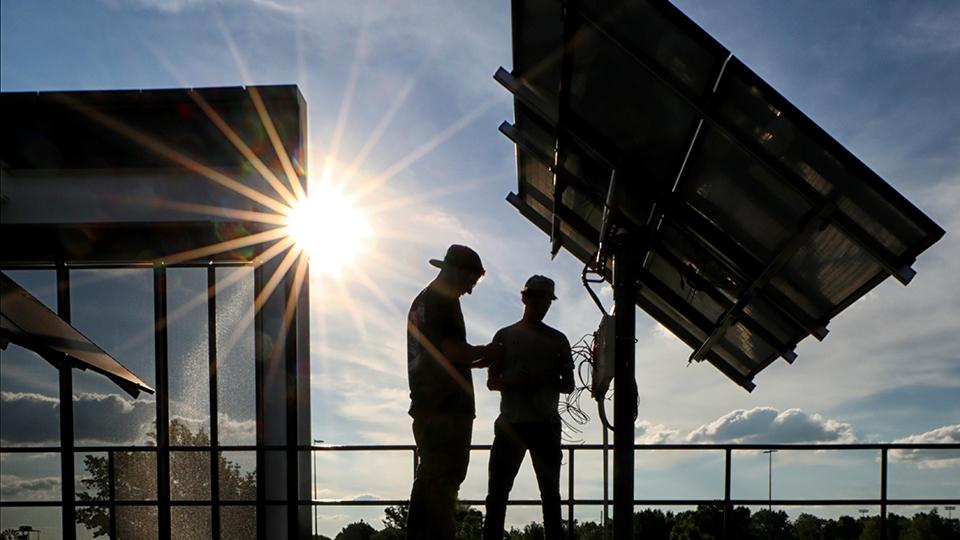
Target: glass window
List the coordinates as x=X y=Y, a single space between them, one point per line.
x=237 y=474
x=43 y=520
x=29 y=385
x=190 y=522
x=114 y=308
x=188 y=372
x=190 y=476
x=236 y=372
x=136 y=522
x=135 y=475
x=238 y=522
x=30 y=477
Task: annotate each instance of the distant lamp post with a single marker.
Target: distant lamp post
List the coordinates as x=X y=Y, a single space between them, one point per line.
x=316 y=515
x=863 y=512
x=949 y=510
x=770 y=477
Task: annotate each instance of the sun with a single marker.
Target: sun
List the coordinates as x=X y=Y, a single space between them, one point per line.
x=329 y=227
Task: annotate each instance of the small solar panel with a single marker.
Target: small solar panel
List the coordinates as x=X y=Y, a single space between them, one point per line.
x=24 y=320
x=759 y=227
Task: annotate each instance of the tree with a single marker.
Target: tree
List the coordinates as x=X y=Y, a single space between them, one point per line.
x=771 y=524
x=359 y=530
x=135 y=479
x=809 y=527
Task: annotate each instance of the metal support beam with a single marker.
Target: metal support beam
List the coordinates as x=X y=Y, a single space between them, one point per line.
x=67 y=464
x=624 y=399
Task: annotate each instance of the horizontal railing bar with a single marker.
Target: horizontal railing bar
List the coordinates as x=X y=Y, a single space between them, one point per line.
x=411 y=447
x=516 y=502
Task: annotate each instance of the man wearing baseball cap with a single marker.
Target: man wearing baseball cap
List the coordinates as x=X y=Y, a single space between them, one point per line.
x=535 y=367
x=439 y=361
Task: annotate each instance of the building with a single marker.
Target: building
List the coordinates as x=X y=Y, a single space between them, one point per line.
x=152 y=222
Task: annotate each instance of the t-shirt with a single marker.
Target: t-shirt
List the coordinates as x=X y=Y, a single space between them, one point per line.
x=537 y=356
x=436 y=385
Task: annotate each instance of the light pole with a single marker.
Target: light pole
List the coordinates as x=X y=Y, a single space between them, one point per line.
x=316 y=517
x=949 y=510
x=769 y=454
x=863 y=512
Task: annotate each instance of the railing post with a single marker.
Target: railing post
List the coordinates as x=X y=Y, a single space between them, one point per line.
x=570 y=497
x=727 y=510
x=883 y=493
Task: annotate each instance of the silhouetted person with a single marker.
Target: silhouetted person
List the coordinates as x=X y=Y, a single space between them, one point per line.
x=441 y=392
x=536 y=365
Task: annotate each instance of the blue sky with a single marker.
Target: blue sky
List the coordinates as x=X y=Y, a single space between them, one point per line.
x=409 y=86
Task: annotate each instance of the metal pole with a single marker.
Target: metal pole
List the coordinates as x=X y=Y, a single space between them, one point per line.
x=624 y=399
x=769 y=479
x=570 y=494
x=883 y=494
x=727 y=509
x=606 y=479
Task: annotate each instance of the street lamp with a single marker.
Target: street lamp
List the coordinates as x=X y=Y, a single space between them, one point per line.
x=863 y=512
x=770 y=477
x=949 y=510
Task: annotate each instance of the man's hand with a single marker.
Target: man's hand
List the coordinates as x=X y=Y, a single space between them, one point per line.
x=492 y=354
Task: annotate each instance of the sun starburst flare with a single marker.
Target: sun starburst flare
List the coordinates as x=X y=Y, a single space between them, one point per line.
x=329 y=227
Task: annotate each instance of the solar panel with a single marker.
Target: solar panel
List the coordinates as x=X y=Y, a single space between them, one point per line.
x=24 y=320
x=758 y=227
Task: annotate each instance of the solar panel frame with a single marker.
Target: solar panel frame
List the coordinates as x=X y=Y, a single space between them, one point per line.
x=761 y=286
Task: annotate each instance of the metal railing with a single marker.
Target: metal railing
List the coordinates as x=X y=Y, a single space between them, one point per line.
x=727 y=502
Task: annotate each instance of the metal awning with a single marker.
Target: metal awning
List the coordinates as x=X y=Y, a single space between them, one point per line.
x=755 y=227
x=25 y=321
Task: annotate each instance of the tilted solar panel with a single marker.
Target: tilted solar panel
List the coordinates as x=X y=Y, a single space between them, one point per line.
x=759 y=227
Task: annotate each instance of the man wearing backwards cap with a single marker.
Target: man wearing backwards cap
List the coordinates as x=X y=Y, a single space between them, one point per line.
x=536 y=365
x=439 y=360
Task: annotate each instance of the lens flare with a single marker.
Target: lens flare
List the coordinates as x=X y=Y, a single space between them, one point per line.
x=329 y=228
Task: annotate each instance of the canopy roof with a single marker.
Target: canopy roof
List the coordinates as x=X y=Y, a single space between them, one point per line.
x=758 y=226
x=25 y=321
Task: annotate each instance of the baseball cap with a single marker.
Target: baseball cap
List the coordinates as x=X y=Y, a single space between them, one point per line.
x=539 y=284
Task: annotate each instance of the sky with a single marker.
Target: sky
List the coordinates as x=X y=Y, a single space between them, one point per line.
x=405 y=90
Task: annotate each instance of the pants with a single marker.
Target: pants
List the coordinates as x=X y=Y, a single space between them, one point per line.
x=443 y=447
x=510 y=443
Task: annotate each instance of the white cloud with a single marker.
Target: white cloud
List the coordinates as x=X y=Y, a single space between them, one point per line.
x=18 y=488
x=768 y=425
x=931 y=459
x=648 y=433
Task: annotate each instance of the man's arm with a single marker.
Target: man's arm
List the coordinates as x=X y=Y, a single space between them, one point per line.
x=460 y=352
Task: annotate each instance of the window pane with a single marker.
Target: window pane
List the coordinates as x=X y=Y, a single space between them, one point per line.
x=30 y=477
x=238 y=476
x=190 y=476
x=190 y=522
x=93 y=522
x=91 y=473
x=114 y=308
x=136 y=522
x=188 y=357
x=29 y=399
x=29 y=385
x=135 y=476
x=238 y=522
x=236 y=375
x=45 y=520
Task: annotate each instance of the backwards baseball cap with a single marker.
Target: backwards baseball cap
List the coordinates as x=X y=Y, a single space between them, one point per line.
x=539 y=284
x=460 y=257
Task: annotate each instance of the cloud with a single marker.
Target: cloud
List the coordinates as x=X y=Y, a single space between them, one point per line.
x=931 y=459
x=29 y=418
x=17 y=488
x=649 y=433
x=769 y=425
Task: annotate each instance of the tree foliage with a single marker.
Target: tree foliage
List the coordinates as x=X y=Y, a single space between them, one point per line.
x=134 y=478
x=704 y=523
